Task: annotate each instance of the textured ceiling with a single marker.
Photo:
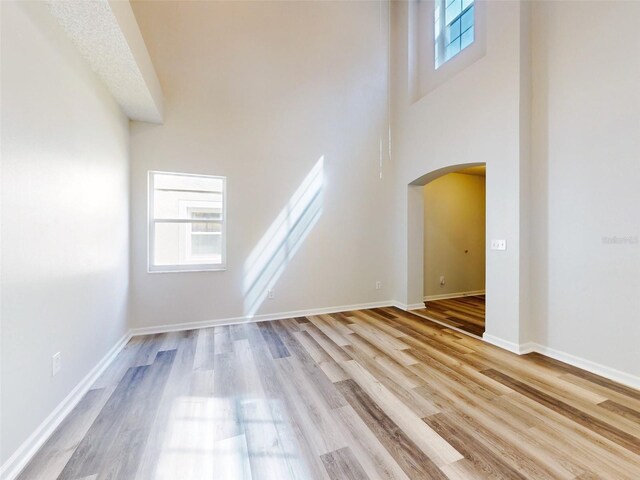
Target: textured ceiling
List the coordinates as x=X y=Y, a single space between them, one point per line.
x=94 y=29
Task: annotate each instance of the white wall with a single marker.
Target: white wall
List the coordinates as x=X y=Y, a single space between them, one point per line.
x=64 y=219
x=259 y=92
x=472 y=117
x=585 y=176
x=454 y=234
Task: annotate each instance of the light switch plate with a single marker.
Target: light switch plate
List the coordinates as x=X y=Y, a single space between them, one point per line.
x=498 y=244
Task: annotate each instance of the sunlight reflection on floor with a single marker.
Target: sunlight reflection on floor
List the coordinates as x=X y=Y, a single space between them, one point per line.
x=227 y=438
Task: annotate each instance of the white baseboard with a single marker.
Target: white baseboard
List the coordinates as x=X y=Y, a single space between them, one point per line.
x=16 y=463
x=593 y=367
x=528 y=347
x=519 y=349
x=415 y=306
x=446 y=296
x=573 y=360
x=175 y=327
x=400 y=305
x=405 y=307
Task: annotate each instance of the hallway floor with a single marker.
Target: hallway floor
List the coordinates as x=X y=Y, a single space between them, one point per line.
x=464 y=313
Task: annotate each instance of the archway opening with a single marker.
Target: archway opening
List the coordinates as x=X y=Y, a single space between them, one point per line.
x=448 y=255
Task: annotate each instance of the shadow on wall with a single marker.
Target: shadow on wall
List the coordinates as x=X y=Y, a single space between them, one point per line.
x=282 y=239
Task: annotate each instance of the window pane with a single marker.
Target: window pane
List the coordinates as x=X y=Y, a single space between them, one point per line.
x=467 y=19
x=466 y=3
x=167 y=242
x=466 y=38
x=206 y=247
x=179 y=244
x=453 y=31
x=204 y=214
x=176 y=203
x=172 y=181
x=453 y=10
x=202 y=227
x=452 y=49
x=187 y=215
x=174 y=193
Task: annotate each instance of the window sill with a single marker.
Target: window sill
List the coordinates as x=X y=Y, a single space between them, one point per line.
x=186 y=268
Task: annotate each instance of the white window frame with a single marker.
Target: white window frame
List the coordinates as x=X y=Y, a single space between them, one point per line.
x=439 y=40
x=424 y=77
x=151 y=224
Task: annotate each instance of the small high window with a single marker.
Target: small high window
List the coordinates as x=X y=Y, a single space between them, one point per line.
x=186 y=222
x=454 y=28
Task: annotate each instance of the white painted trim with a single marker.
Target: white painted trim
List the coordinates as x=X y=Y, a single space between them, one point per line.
x=21 y=457
x=505 y=344
x=573 y=360
x=400 y=305
x=176 y=327
x=405 y=307
x=151 y=226
x=528 y=347
x=415 y=306
x=445 y=296
x=590 y=366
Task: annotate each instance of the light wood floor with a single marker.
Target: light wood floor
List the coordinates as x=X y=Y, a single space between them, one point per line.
x=378 y=394
x=465 y=313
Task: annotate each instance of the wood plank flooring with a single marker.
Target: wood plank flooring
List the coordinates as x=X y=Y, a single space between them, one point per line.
x=372 y=394
x=464 y=313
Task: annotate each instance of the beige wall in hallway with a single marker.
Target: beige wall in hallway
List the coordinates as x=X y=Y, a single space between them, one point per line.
x=454 y=236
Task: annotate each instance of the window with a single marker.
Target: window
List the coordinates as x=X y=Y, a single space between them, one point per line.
x=187 y=222
x=454 y=28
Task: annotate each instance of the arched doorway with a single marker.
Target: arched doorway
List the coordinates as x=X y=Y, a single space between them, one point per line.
x=446 y=246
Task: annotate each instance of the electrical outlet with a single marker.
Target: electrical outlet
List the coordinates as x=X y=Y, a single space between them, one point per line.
x=442 y=280
x=56 y=364
x=270 y=294
x=378 y=285
x=498 y=244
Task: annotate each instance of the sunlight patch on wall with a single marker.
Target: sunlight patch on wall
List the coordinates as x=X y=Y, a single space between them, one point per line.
x=283 y=238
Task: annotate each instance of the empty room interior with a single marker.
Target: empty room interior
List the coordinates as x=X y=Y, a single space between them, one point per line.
x=332 y=240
